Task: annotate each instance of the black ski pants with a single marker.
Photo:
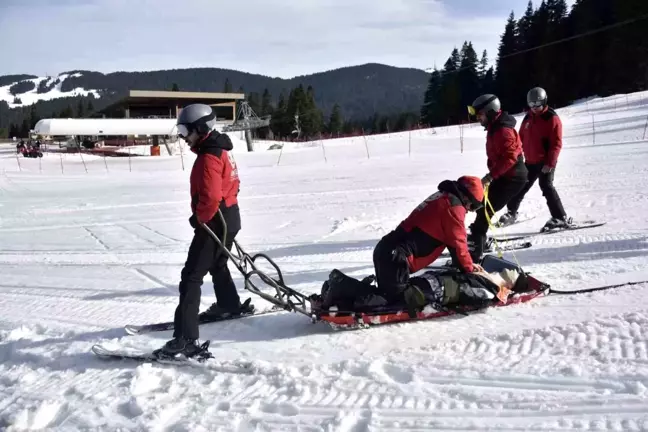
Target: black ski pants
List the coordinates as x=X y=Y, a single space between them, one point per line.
x=548 y=191
x=500 y=192
x=205 y=256
x=390 y=259
x=391 y=266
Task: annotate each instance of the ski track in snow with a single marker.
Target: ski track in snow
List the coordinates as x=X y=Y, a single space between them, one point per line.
x=84 y=254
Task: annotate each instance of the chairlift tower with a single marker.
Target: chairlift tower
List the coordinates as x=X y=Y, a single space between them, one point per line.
x=246 y=121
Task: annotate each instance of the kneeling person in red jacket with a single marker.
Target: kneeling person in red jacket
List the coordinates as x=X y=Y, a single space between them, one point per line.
x=437 y=223
x=214 y=187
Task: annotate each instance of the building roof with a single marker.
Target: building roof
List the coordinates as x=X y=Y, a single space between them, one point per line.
x=155 y=94
x=170 y=98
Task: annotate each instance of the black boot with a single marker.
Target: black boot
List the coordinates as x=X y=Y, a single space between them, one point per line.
x=216 y=312
x=476 y=246
x=181 y=347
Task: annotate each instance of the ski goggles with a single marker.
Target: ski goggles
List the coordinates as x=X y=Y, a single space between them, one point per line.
x=537 y=104
x=471 y=110
x=183 y=130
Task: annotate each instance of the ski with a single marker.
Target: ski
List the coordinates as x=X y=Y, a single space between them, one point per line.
x=490 y=248
x=133 y=329
x=129 y=354
x=518 y=221
x=572 y=227
x=508 y=247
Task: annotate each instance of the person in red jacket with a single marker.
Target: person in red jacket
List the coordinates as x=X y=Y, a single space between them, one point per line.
x=507 y=173
x=214 y=187
x=541 y=134
x=436 y=223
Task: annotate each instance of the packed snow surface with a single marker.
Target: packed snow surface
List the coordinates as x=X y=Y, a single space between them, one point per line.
x=84 y=253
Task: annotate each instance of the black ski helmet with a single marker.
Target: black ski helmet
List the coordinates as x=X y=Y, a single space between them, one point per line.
x=196 y=117
x=489 y=104
x=535 y=96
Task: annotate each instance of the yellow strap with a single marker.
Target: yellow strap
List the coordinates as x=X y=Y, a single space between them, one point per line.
x=487 y=205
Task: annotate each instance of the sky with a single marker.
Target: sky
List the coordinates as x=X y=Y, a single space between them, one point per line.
x=278 y=38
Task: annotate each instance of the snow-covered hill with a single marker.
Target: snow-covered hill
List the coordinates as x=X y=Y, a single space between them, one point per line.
x=51 y=89
x=83 y=254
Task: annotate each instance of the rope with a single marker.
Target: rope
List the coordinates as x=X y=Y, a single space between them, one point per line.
x=487 y=205
x=603 y=288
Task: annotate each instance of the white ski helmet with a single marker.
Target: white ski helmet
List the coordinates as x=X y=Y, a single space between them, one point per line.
x=196 y=117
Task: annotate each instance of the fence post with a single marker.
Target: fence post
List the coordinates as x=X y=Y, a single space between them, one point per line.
x=323 y=151
x=365 y=142
x=61 y=155
x=461 y=137
x=18 y=161
x=280 y=153
x=645 y=127
x=181 y=154
x=105 y=162
x=593 y=131
x=409 y=145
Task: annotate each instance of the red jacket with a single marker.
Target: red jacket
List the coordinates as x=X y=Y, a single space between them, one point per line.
x=541 y=136
x=441 y=219
x=214 y=177
x=503 y=146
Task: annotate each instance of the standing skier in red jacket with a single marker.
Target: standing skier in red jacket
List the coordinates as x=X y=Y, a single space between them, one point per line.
x=214 y=187
x=507 y=173
x=541 y=135
x=437 y=223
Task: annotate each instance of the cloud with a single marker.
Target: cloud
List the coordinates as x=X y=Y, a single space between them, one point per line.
x=279 y=38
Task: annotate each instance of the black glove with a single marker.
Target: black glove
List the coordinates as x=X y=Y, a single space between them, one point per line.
x=486 y=179
x=193 y=221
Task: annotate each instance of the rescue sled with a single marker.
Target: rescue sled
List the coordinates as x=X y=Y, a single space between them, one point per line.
x=487 y=290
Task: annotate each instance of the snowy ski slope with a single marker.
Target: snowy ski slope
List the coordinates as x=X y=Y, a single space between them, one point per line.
x=83 y=254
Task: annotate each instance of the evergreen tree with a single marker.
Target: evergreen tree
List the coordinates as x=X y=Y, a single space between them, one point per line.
x=266 y=103
x=227 y=87
x=254 y=101
x=336 y=122
x=432 y=109
x=80 y=109
x=507 y=74
x=450 y=95
x=482 y=69
x=469 y=82
x=174 y=87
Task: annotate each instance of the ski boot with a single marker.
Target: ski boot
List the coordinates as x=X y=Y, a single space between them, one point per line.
x=215 y=312
x=509 y=218
x=180 y=347
x=554 y=224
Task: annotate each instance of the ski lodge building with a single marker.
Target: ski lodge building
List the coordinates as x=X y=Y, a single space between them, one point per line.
x=140 y=117
x=168 y=104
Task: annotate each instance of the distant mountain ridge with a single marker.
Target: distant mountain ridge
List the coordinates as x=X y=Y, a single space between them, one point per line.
x=361 y=91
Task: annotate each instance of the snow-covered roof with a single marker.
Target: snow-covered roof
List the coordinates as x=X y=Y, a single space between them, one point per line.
x=105 y=127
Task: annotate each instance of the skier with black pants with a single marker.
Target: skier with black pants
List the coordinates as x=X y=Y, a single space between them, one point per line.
x=507 y=173
x=214 y=187
x=541 y=135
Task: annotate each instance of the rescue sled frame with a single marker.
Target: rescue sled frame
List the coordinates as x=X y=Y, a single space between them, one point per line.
x=291 y=300
x=284 y=297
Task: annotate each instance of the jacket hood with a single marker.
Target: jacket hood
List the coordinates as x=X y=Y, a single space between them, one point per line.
x=214 y=144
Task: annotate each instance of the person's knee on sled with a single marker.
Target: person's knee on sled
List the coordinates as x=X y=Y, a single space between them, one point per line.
x=436 y=223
